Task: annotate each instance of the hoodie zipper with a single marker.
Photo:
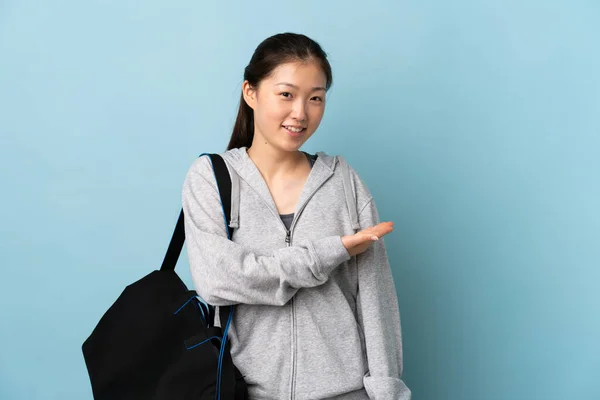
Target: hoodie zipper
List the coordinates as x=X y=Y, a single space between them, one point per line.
x=288 y=240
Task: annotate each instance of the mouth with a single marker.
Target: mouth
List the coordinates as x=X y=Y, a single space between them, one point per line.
x=294 y=131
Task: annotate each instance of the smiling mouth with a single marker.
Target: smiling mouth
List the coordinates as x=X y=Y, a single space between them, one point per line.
x=294 y=129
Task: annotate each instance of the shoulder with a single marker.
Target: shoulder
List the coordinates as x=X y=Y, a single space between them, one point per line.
x=202 y=165
x=200 y=171
x=200 y=174
x=341 y=165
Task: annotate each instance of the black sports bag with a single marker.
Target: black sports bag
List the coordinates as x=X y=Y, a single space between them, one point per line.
x=158 y=341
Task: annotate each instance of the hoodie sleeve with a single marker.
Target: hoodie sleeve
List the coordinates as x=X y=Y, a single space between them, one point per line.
x=226 y=273
x=378 y=314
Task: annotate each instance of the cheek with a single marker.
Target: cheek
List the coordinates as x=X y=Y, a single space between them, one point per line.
x=277 y=111
x=273 y=112
x=315 y=115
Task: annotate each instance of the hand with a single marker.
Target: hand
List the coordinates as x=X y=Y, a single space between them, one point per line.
x=360 y=241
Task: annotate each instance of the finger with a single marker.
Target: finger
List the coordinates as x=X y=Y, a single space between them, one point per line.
x=383 y=230
x=371 y=236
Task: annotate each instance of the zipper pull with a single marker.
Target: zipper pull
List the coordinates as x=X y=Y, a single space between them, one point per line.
x=287 y=237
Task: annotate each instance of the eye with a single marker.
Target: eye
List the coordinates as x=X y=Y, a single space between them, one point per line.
x=286 y=94
x=317 y=98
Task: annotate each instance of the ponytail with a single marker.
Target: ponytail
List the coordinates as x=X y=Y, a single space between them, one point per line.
x=243 y=130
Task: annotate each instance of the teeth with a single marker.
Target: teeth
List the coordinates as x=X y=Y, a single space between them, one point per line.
x=294 y=129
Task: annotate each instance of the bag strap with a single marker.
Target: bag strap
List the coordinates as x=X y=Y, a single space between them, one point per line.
x=178 y=238
x=176 y=245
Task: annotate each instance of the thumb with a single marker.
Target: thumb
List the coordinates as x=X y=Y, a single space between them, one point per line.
x=365 y=237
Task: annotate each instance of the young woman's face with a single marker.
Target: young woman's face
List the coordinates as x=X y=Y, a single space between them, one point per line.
x=288 y=105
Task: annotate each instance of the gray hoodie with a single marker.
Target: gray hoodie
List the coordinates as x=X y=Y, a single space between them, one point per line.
x=310 y=322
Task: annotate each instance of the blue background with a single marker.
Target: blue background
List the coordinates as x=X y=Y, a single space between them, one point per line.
x=476 y=124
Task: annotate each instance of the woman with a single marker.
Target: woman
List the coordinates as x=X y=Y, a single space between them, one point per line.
x=316 y=308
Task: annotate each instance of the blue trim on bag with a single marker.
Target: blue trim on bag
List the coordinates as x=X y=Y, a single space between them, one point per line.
x=184 y=304
x=223 y=342
x=202 y=311
x=198 y=344
x=200 y=307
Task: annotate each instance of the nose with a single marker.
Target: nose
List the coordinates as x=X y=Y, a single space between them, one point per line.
x=299 y=111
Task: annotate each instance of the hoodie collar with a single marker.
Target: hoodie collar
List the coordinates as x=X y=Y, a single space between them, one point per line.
x=242 y=164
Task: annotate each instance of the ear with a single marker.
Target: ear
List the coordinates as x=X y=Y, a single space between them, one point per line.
x=249 y=94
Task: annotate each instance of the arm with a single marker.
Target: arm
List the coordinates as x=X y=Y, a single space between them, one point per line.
x=379 y=317
x=226 y=273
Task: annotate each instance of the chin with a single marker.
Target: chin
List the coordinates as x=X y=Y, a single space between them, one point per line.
x=292 y=147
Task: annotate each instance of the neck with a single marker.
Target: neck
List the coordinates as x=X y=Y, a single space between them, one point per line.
x=274 y=163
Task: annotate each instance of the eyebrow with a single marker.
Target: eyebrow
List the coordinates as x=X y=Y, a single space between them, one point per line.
x=296 y=87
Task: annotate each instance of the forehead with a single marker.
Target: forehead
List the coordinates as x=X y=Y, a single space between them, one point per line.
x=308 y=74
